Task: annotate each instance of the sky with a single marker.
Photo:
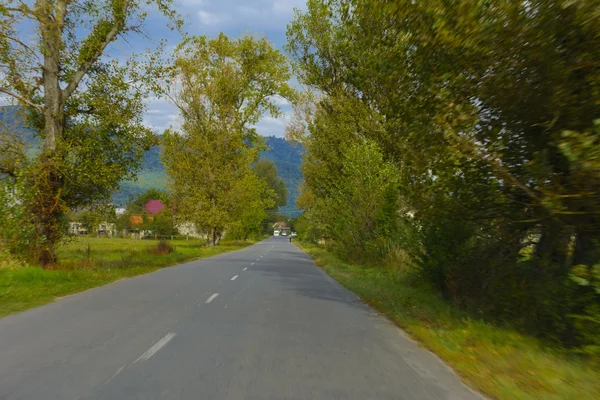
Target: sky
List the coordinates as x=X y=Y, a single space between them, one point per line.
x=233 y=17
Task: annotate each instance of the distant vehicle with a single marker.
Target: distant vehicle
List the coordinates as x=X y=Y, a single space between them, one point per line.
x=284 y=233
x=294 y=234
x=276 y=233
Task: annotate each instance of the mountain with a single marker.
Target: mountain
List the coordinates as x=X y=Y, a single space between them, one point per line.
x=287 y=157
x=12 y=120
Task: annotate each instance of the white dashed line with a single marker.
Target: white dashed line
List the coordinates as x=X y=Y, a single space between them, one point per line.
x=251 y=264
x=234 y=277
x=115 y=374
x=159 y=345
x=245 y=269
x=211 y=298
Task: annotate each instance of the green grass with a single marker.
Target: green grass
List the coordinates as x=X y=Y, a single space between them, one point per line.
x=109 y=260
x=501 y=363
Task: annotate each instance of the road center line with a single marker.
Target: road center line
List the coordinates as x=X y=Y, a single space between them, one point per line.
x=115 y=375
x=157 y=346
x=211 y=298
x=251 y=264
x=245 y=268
x=234 y=278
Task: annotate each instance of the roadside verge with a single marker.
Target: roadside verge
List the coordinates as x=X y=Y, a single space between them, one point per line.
x=92 y=262
x=499 y=362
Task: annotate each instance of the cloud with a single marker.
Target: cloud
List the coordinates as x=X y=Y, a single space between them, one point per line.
x=211 y=19
x=236 y=17
x=161 y=115
x=269 y=126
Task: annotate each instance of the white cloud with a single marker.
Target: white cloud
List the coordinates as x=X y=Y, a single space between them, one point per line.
x=238 y=16
x=211 y=19
x=161 y=115
x=269 y=126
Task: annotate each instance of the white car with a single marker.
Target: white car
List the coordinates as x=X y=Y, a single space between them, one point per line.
x=284 y=233
x=276 y=233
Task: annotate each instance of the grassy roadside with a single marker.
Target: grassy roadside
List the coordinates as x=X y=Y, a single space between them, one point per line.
x=91 y=262
x=501 y=363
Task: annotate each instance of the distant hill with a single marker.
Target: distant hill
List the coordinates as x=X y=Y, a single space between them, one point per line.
x=287 y=157
x=12 y=120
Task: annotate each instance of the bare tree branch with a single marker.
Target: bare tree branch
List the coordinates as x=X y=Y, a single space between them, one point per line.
x=22 y=44
x=21 y=99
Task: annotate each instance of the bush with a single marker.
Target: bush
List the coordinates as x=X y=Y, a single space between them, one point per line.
x=9 y=261
x=17 y=231
x=163 y=247
x=588 y=321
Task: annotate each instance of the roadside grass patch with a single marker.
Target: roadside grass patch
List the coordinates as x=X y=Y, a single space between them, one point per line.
x=499 y=362
x=89 y=262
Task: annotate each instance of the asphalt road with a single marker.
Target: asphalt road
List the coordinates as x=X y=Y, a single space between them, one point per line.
x=259 y=323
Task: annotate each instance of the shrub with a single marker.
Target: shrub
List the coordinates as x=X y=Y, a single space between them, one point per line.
x=588 y=321
x=9 y=261
x=163 y=247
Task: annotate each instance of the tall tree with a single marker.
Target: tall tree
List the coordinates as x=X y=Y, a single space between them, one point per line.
x=221 y=87
x=490 y=112
x=84 y=104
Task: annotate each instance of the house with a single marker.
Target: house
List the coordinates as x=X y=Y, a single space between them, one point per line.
x=188 y=229
x=107 y=229
x=77 y=229
x=281 y=229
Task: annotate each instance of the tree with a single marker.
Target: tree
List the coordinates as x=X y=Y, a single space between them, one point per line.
x=85 y=105
x=267 y=171
x=138 y=203
x=222 y=88
x=489 y=111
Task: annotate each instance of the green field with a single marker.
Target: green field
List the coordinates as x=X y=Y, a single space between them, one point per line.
x=501 y=363
x=91 y=262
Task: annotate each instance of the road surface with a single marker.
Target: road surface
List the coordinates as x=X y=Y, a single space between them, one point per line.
x=259 y=323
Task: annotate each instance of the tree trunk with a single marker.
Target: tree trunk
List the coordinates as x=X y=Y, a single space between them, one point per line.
x=552 y=251
x=48 y=212
x=586 y=248
x=213 y=236
x=48 y=209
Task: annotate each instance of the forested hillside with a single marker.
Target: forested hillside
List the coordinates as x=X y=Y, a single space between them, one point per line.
x=287 y=157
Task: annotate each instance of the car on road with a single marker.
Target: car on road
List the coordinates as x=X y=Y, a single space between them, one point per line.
x=284 y=233
x=276 y=233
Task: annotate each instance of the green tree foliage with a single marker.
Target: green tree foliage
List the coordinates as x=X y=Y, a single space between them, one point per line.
x=222 y=88
x=85 y=105
x=267 y=172
x=138 y=203
x=487 y=111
